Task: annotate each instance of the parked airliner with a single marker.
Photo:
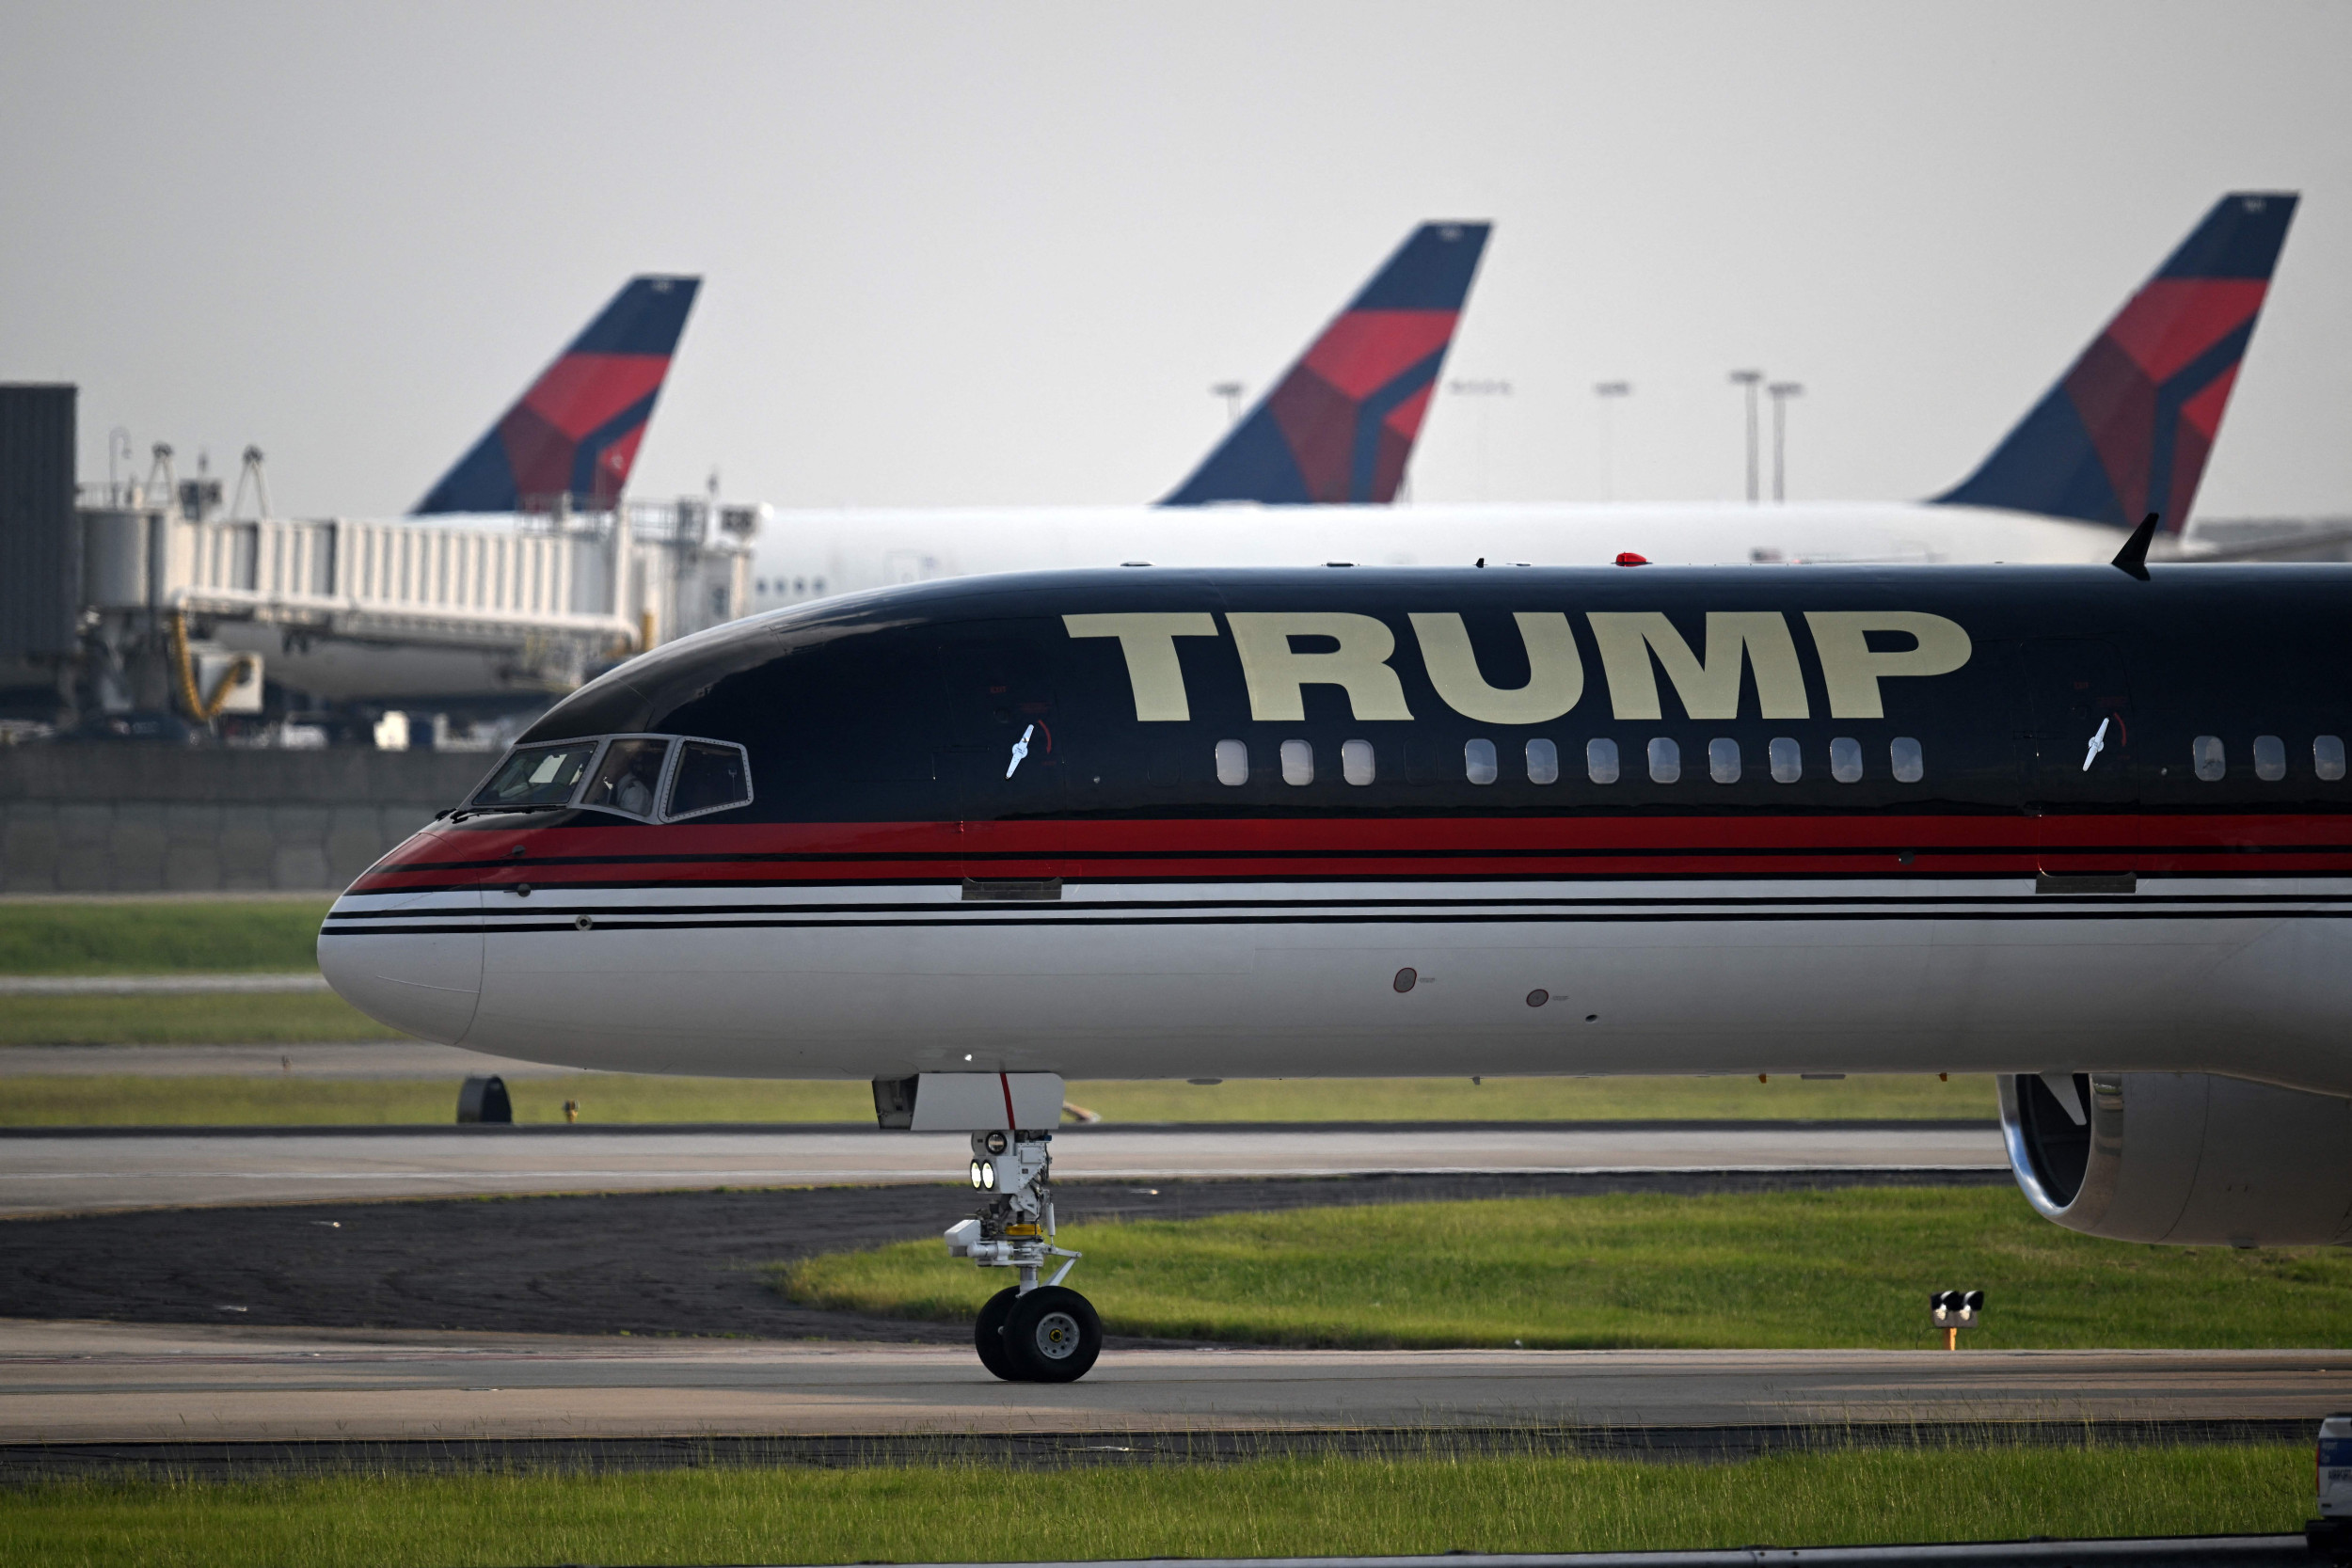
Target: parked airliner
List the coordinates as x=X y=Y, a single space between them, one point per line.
x=2125 y=431
x=2085 y=827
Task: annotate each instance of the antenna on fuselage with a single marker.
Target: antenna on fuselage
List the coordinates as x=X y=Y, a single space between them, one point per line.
x=2132 y=557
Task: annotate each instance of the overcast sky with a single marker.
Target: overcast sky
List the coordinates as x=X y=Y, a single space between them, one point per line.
x=997 y=254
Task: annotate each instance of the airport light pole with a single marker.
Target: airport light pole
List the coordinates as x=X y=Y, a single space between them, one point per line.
x=1230 y=391
x=1491 y=387
x=1750 y=380
x=1609 y=392
x=1781 y=392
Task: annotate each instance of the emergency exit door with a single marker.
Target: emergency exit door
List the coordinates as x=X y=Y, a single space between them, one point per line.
x=1000 y=752
x=2081 y=778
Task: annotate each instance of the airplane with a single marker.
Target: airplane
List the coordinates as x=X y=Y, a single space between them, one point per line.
x=1337 y=430
x=2125 y=431
x=2086 y=827
x=573 y=435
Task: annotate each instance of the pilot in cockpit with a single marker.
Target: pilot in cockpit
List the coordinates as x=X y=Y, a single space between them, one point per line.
x=630 y=772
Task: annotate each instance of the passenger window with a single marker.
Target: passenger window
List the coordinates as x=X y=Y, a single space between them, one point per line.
x=710 y=777
x=542 y=776
x=1298 y=762
x=1665 y=761
x=2270 y=758
x=1845 y=759
x=628 y=777
x=1232 y=763
x=2328 y=756
x=1911 y=765
x=1600 y=761
x=1478 y=761
x=1355 y=765
x=1788 y=760
x=2205 y=750
x=1722 y=760
x=1542 y=762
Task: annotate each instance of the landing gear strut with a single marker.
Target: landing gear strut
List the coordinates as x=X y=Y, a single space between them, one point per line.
x=1031 y=1332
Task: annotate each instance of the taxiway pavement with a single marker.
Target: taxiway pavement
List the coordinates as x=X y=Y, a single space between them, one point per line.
x=42 y=1173
x=85 y=1383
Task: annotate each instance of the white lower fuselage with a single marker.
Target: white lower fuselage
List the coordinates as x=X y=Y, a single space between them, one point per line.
x=1278 y=979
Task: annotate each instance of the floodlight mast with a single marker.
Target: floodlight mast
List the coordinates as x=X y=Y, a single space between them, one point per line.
x=1781 y=392
x=1609 y=392
x=1749 y=381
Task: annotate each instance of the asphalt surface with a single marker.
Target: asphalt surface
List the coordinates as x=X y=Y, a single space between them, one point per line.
x=83 y=1383
x=63 y=1170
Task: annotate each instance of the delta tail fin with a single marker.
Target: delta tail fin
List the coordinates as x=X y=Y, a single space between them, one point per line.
x=1339 y=427
x=2127 y=430
x=575 y=432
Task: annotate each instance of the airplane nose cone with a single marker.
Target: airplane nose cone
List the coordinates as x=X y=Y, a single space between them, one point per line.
x=411 y=960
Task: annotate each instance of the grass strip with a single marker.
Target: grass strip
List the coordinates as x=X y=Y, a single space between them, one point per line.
x=226 y=1100
x=1827 y=1270
x=1286 y=1507
x=290 y=1100
x=1904 y=1097
x=270 y=1018
x=166 y=936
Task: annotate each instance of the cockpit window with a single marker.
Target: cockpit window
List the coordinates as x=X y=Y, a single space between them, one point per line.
x=629 y=777
x=711 y=776
x=538 y=776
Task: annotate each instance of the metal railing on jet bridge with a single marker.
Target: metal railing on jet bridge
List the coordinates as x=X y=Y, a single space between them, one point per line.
x=594 y=576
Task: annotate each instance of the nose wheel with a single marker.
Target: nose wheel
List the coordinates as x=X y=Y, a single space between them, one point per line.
x=1050 y=1335
x=1035 y=1331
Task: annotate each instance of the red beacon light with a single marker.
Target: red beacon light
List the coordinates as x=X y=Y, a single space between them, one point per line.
x=1627 y=558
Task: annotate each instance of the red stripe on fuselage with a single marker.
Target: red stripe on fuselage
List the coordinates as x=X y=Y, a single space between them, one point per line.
x=1263 y=848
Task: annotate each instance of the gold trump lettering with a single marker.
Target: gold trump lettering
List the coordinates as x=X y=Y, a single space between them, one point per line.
x=1148 y=641
x=1359 y=666
x=1851 y=670
x=1710 y=684
x=1555 y=674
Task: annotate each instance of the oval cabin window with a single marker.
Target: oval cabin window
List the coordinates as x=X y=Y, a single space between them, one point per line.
x=1298 y=762
x=2205 y=752
x=2328 y=756
x=1665 y=761
x=1787 y=758
x=1356 y=763
x=2270 y=758
x=1232 y=763
x=1845 y=759
x=1600 y=761
x=1478 y=761
x=1542 y=762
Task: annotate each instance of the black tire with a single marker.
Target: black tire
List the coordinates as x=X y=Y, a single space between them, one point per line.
x=1053 y=1334
x=988 y=1335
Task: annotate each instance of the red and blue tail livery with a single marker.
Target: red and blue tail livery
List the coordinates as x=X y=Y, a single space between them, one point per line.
x=573 y=435
x=2127 y=430
x=1339 y=427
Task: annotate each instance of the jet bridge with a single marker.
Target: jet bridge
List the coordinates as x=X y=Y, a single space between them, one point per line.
x=177 y=591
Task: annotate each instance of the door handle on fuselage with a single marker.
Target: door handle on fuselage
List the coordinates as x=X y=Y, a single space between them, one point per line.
x=2098 y=744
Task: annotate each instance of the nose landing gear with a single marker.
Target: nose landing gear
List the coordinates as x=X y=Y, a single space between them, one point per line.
x=1031 y=1332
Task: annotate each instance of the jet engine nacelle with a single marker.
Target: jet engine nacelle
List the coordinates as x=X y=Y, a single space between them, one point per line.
x=2186 y=1158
